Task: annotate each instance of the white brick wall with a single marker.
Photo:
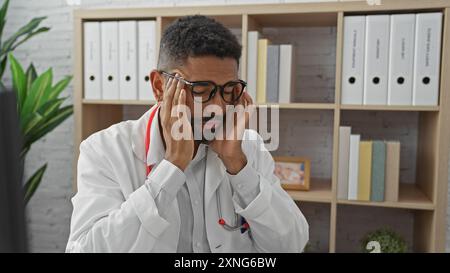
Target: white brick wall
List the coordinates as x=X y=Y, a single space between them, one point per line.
x=50 y=209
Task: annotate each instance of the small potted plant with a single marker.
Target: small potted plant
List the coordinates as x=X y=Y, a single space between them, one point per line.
x=383 y=240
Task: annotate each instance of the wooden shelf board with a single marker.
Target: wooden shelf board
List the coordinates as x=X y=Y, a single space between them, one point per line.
x=410 y=197
x=259 y=9
x=390 y=107
x=317 y=106
x=294 y=20
x=230 y=21
x=320 y=192
x=119 y=102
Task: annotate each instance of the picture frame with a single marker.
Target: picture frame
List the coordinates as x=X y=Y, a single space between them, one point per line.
x=293 y=172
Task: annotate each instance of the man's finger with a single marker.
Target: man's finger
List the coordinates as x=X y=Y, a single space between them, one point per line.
x=180 y=86
x=171 y=90
x=248 y=97
x=167 y=98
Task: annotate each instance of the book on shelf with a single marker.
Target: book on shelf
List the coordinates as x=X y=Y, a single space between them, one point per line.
x=353 y=168
x=343 y=165
x=286 y=74
x=378 y=171
x=364 y=170
x=392 y=170
x=252 y=62
x=261 y=89
x=272 y=77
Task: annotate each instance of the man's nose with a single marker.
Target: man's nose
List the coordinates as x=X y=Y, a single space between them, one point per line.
x=217 y=99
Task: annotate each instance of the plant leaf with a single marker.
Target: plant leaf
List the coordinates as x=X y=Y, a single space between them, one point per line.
x=2 y=66
x=33 y=182
x=19 y=81
x=59 y=116
x=2 y=86
x=40 y=30
x=38 y=93
x=3 y=12
x=44 y=113
x=59 y=87
x=28 y=28
x=31 y=76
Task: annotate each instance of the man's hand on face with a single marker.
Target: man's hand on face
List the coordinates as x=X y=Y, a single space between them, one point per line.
x=229 y=147
x=178 y=151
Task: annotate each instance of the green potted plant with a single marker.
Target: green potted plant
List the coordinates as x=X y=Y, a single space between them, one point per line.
x=38 y=102
x=40 y=110
x=384 y=240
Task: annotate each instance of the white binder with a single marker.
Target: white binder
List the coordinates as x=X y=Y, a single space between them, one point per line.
x=252 y=63
x=92 y=61
x=353 y=60
x=128 y=60
x=427 y=58
x=353 y=166
x=401 y=59
x=376 y=60
x=286 y=75
x=146 y=58
x=110 y=60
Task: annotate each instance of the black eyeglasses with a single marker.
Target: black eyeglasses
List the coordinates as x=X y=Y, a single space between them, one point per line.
x=204 y=91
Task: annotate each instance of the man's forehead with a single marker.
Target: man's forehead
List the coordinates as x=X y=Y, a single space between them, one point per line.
x=209 y=68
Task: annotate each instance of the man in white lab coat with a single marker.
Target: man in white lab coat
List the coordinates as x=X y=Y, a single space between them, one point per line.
x=143 y=189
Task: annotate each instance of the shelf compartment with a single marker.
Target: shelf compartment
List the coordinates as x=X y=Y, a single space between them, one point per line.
x=354 y=222
x=312 y=138
x=410 y=197
x=314 y=45
x=417 y=133
x=318 y=217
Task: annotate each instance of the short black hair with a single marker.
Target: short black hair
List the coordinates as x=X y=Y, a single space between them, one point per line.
x=196 y=36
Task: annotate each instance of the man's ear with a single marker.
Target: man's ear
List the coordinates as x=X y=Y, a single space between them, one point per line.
x=157 y=82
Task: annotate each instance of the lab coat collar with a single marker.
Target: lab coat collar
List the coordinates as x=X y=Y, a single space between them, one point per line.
x=156 y=151
x=156 y=148
x=215 y=172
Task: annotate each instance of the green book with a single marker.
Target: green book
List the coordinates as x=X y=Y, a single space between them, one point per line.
x=378 y=171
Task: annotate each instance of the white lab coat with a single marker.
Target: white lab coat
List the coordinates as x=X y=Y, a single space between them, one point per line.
x=113 y=211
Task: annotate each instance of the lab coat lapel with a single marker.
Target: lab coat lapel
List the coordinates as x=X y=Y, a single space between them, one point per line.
x=169 y=239
x=215 y=171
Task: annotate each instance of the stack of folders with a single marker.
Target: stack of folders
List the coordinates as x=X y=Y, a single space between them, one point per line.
x=270 y=70
x=118 y=58
x=392 y=59
x=368 y=170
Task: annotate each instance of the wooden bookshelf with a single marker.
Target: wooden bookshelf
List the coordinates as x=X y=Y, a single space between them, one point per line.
x=427 y=197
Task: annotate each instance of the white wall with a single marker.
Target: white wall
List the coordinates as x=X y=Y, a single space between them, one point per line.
x=50 y=209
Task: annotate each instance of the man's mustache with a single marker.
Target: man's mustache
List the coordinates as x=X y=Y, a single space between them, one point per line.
x=203 y=120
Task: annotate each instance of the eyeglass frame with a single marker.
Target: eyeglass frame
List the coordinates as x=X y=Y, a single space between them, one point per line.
x=213 y=92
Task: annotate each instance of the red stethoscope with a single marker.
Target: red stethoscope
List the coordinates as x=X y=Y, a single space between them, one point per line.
x=243 y=225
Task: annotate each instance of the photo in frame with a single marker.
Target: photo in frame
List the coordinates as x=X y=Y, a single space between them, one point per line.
x=293 y=172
